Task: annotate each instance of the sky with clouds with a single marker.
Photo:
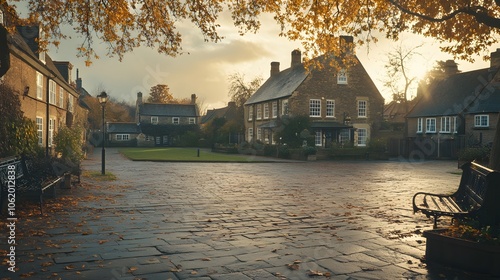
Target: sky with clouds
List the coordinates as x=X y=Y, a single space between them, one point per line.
x=205 y=68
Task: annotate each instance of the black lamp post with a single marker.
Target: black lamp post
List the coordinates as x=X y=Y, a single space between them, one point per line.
x=103 y=98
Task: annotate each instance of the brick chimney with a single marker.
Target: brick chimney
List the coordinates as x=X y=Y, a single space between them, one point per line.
x=495 y=59
x=450 y=67
x=296 y=58
x=275 y=68
x=193 y=98
x=346 y=44
x=78 y=82
x=138 y=104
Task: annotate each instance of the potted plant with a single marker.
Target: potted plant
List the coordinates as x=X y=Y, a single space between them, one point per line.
x=466 y=245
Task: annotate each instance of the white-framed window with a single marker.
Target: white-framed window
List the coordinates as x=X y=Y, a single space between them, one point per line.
x=259 y=111
x=52 y=92
x=430 y=125
x=362 y=136
x=266 y=110
x=344 y=136
x=362 y=108
x=122 y=137
x=420 y=125
x=259 y=133
x=455 y=124
x=175 y=120
x=250 y=134
x=330 y=108
x=342 y=77
x=61 y=97
x=39 y=130
x=250 y=112
x=165 y=139
x=39 y=85
x=154 y=120
x=51 y=130
x=284 y=107
x=70 y=102
x=318 y=138
x=192 y=120
x=275 y=109
x=445 y=125
x=315 y=107
x=481 y=121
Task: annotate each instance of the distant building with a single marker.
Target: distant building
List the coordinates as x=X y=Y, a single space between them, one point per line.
x=230 y=117
x=122 y=134
x=343 y=105
x=460 y=110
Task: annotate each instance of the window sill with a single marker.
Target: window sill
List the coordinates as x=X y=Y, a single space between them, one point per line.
x=481 y=128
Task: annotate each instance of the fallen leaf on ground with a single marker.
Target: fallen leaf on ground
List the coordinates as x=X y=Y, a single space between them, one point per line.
x=314 y=273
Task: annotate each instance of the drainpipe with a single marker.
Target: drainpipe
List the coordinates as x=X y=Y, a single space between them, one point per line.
x=47 y=116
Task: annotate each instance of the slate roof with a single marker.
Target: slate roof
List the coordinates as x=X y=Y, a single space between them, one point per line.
x=396 y=112
x=468 y=92
x=123 y=127
x=228 y=112
x=213 y=114
x=280 y=85
x=168 y=110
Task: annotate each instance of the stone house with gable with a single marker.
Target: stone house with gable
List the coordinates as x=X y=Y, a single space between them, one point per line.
x=48 y=93
x=163 y=124
x=460 y=110
x=342 y=105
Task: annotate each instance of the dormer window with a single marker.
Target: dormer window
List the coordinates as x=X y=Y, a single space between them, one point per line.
x=342 y=77
x=41 y=56
x=154 y=120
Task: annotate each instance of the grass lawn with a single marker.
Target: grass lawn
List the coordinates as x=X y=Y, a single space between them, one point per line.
x=182 y=154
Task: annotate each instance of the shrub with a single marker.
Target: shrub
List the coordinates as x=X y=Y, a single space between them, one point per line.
x=69 y=145
x=284 y=151
x=481 y=154
x=309 y=150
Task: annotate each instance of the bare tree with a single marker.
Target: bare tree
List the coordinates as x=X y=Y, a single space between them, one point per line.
x=399 y=78
x=240 y=90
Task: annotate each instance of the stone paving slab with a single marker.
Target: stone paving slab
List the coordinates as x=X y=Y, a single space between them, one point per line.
x=206 y=221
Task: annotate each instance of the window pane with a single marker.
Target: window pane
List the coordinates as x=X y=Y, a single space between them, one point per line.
x=361 y=108
x=315 y=107
x=330 y=108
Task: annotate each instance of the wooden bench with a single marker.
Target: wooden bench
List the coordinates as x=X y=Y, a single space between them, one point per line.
x=19 y=177
x=478 y=197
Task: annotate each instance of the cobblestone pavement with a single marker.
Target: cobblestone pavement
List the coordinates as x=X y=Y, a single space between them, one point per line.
x=286 y=220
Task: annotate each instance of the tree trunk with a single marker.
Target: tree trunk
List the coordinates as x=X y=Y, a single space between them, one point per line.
x=495 y=150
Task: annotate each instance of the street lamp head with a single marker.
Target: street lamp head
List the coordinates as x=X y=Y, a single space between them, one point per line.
x=103 y=98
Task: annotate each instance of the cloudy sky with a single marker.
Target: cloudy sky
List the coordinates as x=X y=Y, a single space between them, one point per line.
x=207 y=67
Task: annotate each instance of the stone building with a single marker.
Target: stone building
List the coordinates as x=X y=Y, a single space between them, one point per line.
x=343 y=105
x=163 y=124
x=457 y=111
